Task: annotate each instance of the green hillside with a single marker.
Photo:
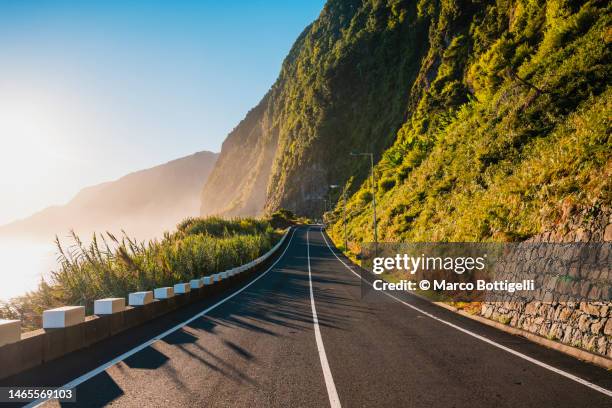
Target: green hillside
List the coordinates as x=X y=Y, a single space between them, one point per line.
x=347 y=78
x=511 y=130
x=487 y=119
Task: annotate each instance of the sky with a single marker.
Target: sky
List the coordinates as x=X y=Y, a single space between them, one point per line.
x=92 y=90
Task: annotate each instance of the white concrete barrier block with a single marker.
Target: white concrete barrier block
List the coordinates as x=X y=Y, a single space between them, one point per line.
x=182 y=288
x=140 y=298
x=63 y=317
x=163 y=293
x=217 y=277
x=109 y=306
x=196 y=283
x=224 y=275
x=207 y=280
x=10 y=331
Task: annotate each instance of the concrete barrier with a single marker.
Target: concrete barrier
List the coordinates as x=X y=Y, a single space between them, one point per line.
x=196 y=283
x=10 y=331
x=64 y=316
x=182 y=288
x=74 y=331
x=140 y=298
x=109 y=306
x=217 y=277
x=163 y=293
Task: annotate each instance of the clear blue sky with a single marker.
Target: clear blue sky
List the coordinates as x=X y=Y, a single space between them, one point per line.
x=91 y=90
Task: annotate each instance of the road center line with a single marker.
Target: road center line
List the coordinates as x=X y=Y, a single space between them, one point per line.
x=77 y=381
x=479 y=337
x=334 y=401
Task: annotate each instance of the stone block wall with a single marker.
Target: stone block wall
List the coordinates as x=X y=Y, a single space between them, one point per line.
x=576 y=311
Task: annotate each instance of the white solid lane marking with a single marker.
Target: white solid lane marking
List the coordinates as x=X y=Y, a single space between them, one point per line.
x=135 y=350
x=479 y=337
x=334 y=401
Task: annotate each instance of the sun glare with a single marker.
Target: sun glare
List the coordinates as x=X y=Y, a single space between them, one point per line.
x=36 y=144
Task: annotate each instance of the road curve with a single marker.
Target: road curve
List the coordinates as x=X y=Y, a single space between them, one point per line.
x=309 y=333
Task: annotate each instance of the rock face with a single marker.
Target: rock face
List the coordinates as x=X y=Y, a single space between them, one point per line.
x=344 y=86
x=571 y=314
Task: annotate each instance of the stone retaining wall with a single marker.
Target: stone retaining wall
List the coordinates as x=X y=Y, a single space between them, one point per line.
x=578 y=320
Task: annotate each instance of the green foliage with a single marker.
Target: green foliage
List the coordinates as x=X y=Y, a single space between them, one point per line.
x=342 y=87
x=511 y=119
x=283 y=218
x=386 y=184
x=365 y=196
x=112 y=267
x=220 y=227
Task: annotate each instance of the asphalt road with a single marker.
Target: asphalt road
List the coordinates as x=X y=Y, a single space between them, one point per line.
x=264 y=347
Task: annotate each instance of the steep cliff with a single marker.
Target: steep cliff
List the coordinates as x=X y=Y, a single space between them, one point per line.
x=345 y=85
x=512 y=127
x=484 y=117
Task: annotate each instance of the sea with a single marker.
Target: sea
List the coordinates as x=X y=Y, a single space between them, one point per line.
x=23 y=263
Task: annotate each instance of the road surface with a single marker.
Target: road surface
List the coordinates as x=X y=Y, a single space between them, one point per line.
x=303 y=334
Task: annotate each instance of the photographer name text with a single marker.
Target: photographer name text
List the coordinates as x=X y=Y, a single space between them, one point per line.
x=444 y=285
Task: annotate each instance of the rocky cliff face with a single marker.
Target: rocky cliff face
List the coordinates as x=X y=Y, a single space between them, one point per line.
x=344 y=86
x=469 y=106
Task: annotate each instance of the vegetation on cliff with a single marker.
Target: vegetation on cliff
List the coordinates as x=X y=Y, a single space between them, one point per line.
x=488 y=119
x=510 y=130
x=345 y=85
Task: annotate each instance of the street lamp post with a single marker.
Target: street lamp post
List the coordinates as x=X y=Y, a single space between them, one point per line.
x=324 y=207
x=373 y=197
x=343 y=214
x=324 y=210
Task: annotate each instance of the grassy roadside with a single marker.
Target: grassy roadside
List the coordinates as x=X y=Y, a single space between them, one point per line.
x=111 y=266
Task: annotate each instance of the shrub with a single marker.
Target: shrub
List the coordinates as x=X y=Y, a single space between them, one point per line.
x=365 y=196
x=386 y=184
x=282 y=218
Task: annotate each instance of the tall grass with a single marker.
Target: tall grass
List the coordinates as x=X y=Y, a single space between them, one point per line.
x=109 y=266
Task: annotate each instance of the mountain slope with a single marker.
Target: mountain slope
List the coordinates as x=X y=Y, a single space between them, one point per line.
x=487 y=119
x=345 y=85
x=511 y=136
x=143 y=203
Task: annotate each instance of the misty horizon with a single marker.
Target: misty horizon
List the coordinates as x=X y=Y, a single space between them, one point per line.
x=92 y=186
x=169 y=86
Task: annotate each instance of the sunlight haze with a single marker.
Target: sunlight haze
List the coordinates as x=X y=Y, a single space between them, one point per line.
x=90 y=92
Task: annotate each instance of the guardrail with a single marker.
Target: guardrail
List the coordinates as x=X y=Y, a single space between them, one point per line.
x=67 y=329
